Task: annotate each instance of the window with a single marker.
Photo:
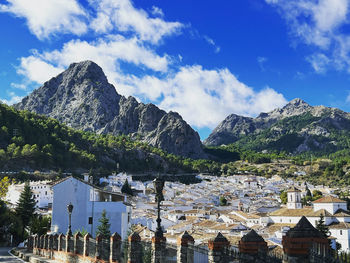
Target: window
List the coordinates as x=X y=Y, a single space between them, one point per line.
x=45 y=192
x=341 y=232
x=90 y=220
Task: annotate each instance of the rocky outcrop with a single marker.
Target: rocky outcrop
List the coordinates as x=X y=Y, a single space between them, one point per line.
x=234 y=126
x=82 y=98
x=297 y=119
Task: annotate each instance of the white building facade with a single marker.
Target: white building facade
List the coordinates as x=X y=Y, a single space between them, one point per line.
x=334 y=212
x=42 y=193
x=88 y=203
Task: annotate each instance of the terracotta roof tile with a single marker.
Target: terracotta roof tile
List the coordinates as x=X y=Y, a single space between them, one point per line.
x=329 y=199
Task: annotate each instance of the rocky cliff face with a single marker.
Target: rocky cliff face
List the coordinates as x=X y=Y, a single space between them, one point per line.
x=82 y=98
x=298 y=125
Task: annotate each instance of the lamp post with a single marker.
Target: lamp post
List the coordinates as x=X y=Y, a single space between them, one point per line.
x=159 y=185
x=70 y=210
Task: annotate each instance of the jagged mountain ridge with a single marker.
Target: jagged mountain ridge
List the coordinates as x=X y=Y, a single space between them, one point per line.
x=301 y=126
x=82 y=98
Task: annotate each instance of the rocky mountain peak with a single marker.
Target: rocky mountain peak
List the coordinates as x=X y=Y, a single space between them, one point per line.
x=294 y=107
x=86 y=69
x=82 y=98
x=297 y=102
x=292 y=128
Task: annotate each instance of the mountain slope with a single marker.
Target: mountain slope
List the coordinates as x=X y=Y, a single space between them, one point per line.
x=34 y=142
x=82 y=98
x=295 y=128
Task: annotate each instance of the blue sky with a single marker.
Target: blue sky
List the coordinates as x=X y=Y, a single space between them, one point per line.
x=203 y=59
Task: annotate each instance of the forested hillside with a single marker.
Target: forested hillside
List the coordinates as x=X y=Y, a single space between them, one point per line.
x=30 y=141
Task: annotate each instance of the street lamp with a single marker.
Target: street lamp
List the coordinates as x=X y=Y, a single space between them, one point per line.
x=159 y=185
x=70 y=210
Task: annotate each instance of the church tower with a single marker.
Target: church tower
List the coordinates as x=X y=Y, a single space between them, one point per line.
x=294 y=198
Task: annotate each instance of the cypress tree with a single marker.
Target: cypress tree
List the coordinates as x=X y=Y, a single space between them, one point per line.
x=126 y=189
x=320 y=226
x=25 y=207
x=104 y=228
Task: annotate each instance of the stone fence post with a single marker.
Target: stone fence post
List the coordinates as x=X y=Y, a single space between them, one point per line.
x=158 y=249
x=68 y=239
x=36 y=244
x=77 y=236
x=36 y=241
x=135 y=248
x=185 y=253
x=42 y=241
x=86 y=245
x=252 y=246
x=60 y=241
x=115 y=247
x=55 y=242
x=50 y=242
x=218 y=249
x=98 y=247
x=46 y=241
x=30 y=242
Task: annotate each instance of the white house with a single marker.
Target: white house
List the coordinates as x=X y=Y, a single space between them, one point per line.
x=41 y=190
x=250 y=183
x=88 y=203
x=334 y=211
x=330 y=203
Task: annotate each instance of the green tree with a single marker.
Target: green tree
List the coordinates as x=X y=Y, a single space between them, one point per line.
x=82 y=231
x=316 y=194
x=308 y=192
x=9 y=225
x=223 y=201
x=4 y=185
x=283 y=197
x=126 y=189
x=40 y=225
x=25 y=207
x=104 y=228
x=320 y=226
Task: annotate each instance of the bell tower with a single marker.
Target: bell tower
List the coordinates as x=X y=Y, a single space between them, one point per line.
x=294 y=198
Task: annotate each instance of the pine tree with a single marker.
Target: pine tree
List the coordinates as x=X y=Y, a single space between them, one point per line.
x=25 y=207
x=104 y=228
x=126 y=189
x=320 y=226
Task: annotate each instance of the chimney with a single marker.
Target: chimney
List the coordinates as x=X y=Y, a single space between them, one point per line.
x=86 y=177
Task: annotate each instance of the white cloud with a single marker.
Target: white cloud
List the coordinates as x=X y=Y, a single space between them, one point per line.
x=203 y=97
x=126 y=18
x=347 y=100
x=211 y=42
x=128 y=36
x=206 y=97
x=108 y=53
x=318 y=24
x=12 y=100
x=45 y=18
x=261 y=61
x=37 y=70
x=319 y=62
x=156 y=11
x=19 y=86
